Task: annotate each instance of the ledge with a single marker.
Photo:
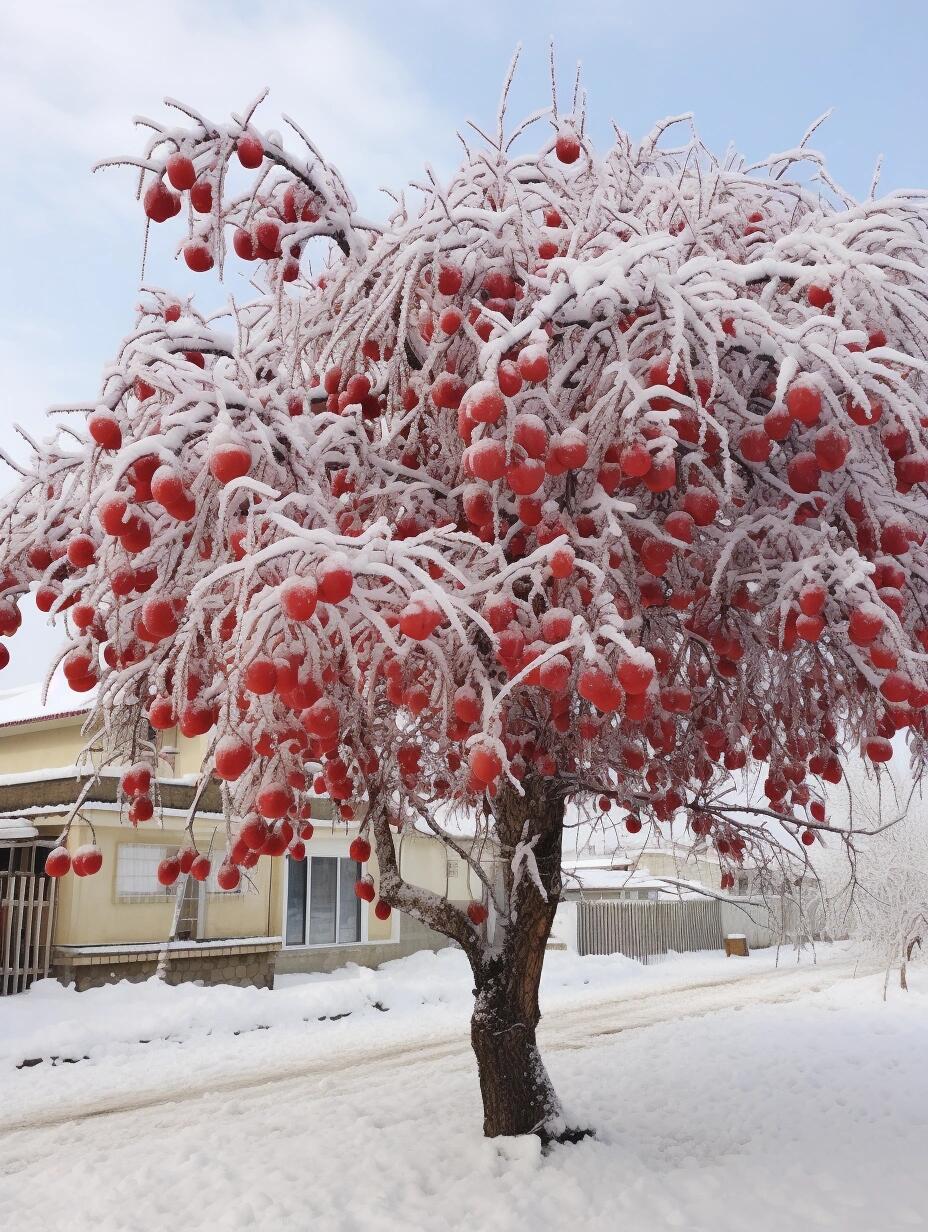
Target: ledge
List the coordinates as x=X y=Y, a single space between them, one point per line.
x=100 y=955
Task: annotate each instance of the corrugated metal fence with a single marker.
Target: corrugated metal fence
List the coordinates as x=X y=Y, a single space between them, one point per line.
x=27 y=909
x=646 y=930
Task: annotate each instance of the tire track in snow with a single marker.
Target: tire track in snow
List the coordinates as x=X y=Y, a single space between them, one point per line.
x=566 y=1028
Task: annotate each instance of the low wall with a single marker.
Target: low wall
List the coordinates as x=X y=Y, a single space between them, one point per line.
x=413 y=937
x=245 y=962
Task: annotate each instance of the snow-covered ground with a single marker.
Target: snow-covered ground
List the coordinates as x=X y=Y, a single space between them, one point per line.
x=724 y=1093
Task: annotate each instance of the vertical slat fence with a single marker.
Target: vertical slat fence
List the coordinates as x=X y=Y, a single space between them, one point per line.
x=646 y=930
x=27 y=909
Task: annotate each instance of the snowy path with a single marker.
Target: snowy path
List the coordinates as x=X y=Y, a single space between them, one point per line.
x=570 y=1027
x=750 y=1097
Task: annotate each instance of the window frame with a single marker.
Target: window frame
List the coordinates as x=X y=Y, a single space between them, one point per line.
x=325 y=848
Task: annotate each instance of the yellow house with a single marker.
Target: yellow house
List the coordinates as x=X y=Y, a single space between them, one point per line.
x=289 y=916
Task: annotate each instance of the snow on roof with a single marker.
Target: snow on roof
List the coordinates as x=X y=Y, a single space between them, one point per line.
x=25 y=705
x=587 y=879
x=16 y=828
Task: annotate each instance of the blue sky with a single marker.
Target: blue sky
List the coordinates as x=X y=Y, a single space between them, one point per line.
x=384 y=87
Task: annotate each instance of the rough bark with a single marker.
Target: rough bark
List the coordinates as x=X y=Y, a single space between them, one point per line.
x=518 y=1097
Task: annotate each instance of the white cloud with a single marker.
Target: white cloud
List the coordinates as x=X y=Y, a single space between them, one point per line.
x=73 y=75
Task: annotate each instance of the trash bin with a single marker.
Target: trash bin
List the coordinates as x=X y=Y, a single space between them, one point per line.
x=736 y=945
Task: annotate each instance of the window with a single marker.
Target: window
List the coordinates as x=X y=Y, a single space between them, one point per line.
x=137 y=873
x=322 y=908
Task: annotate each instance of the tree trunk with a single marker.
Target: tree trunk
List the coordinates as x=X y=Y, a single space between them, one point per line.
x=518 y=1097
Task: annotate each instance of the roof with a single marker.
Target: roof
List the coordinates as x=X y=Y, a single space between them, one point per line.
x=25 y=705
x=12 y=828
x=586 y=879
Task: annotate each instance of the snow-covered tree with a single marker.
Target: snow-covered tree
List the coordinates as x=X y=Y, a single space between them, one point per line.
x=582 y=475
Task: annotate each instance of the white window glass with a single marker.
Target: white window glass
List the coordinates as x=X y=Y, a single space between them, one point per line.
x=349 y=905
x=137 y=872
x=323 y=899
x=296 y=901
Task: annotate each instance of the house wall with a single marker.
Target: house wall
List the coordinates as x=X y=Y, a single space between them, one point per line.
x=54 y=742
x=91 y=914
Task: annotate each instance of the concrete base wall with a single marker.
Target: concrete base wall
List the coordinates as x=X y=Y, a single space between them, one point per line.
x=413 y=937
x=251 y=966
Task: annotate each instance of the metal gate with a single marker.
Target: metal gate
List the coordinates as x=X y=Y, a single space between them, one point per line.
x=27 y=914
x=645 y=930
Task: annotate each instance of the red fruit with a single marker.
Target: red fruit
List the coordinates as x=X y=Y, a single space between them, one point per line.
x=818 y=297
x=334 y=580
x=245 y=245
x=803 y=473
x=486 y=460
x=509 y=378
x=160 y=617
x=485 y=764
x=168 y=870
x=250 y=152
x=200 y=868
x=878 y=749
x=635 y=675
x=562 y=562
x=261 y=676
x=476 y=913
x=567 y=147
x=450 y=280
x=141 y=809
x=554 y=674
x=701 y=504
x=231 y=758
x=228 y=877
x=571 y=450
x=466 y=705
x=447 y=391
x=105 y=430
x=382 y=910
x=186 y=858
x=198 y=256
x=831 y=448
x=864 y=416
x=136 y=781
x=57 y=862
x=450 y=321
x=321 y=719
x=160 y=203
x=229 y=461
x=364 y=889
x=201 y=198
x=273 y=800
x=632 y=824
x=484 y=403
x=420 y=618
x=359 y=850
x=864 y=625
x=812 y=598
x=599 y=688
x=680 y=526
x=161 y=714
x=755 y=445
x=81 y=552
x=533 y=364
x=181 y=172
x=111 y=512
x=777 y=424
x=91 y=858
x=635 y=460
x=676 y=699
x=254 y=832
x=298 y=597
x=804 y=403
x=526 y=477
x=809 y=628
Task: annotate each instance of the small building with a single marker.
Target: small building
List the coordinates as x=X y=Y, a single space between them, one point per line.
x=656 y=869
x=287 y=916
